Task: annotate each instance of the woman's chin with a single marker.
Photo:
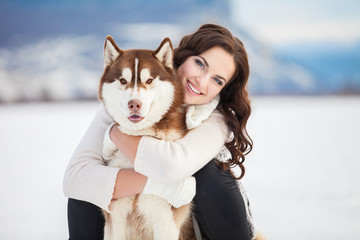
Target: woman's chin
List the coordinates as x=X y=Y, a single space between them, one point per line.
x=189 y=100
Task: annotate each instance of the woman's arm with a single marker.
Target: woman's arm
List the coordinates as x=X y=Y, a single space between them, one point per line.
x=172 y=161
x=128 y=183
x=86 y=176
x=127 y=144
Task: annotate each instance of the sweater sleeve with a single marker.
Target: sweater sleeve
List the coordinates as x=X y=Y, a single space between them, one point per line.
x=86 y=177
x=168 y=161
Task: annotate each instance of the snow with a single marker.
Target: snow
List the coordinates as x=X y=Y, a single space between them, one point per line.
x=36 y=141
x=57 y=68
x=302 y=176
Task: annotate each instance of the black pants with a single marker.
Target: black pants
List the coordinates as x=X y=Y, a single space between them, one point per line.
x=219 y=209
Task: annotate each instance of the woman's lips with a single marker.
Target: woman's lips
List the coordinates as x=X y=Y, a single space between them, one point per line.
x=192 y=89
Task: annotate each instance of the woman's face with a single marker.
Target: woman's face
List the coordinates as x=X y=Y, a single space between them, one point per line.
x=205 y=75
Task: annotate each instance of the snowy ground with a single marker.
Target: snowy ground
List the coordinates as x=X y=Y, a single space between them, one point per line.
x=302 y=177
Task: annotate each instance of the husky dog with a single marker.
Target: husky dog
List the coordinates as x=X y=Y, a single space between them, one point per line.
x=140 y=91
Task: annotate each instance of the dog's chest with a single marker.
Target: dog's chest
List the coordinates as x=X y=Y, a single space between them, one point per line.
x=115 y=158
x=170 y=134
x=120 y=160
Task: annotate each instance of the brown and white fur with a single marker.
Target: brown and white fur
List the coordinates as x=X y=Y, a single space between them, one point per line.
x=140 y=91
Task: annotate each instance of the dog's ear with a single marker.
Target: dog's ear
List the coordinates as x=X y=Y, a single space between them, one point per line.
x=165 y=53
x=111 y=51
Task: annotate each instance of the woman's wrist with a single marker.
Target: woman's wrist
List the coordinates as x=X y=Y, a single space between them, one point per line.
x=128 y=183
x=176 y=194
x=127 y=144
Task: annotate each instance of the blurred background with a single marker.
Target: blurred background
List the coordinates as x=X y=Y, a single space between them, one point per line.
x=302 y=176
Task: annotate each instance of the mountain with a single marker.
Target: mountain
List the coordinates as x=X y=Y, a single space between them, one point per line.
x=52 y=50
x=269 y=74
x=335 y=66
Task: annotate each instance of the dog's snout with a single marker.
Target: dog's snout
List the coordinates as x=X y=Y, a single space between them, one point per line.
x=134 y=105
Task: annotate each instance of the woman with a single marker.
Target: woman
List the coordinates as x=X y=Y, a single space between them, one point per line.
x=210 y=62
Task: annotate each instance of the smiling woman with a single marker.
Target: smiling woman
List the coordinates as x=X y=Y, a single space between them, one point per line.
x=205 y=75
x=213 y=68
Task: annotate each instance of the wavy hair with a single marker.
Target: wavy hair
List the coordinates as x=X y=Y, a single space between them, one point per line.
x=234 y=98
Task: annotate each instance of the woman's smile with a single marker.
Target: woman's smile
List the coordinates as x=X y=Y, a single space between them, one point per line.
x=204 y=76
x=191 y=89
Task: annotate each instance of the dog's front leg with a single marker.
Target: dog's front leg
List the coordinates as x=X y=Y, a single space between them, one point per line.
x=166 y=230
x=116 y=222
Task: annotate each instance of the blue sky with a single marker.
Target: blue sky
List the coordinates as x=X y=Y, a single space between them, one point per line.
x=282 y=22
x=320 y=37
x=277 y=22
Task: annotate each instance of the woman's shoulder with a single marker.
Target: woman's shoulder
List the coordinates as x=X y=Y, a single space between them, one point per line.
x=102 y=115
x=196 y=114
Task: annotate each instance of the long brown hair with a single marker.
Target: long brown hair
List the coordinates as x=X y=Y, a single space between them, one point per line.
x=234 y=99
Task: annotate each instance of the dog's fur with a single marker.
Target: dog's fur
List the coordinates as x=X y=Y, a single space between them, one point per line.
x=140 y=91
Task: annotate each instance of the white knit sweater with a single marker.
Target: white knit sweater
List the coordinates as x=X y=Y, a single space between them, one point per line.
x=88 y=178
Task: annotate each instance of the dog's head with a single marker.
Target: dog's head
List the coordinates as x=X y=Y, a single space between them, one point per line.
x=138 y=86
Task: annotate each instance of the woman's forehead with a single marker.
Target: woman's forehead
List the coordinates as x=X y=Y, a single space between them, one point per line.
x=219 y=62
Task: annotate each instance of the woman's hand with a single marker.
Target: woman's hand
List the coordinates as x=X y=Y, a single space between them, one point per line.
x=127 y=144
x=176 y=194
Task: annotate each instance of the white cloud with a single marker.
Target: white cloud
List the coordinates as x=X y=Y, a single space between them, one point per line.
x=346 y=32
x=147 y=32
x=279 y=21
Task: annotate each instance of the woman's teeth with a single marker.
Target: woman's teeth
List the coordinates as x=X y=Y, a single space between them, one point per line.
x=193 y=88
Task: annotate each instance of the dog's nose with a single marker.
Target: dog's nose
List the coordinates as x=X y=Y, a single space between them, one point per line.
x=134 y=105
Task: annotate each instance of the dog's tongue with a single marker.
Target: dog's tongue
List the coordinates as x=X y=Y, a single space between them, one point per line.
x=135 y=118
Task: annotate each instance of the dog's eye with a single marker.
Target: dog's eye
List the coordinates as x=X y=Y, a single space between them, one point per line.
x=149 y=80
x=123 y=81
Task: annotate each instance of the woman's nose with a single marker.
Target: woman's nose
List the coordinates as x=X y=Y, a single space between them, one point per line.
x=203 y=82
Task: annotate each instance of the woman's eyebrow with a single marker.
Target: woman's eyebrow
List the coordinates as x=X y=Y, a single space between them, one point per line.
x=218 y=76
x=207 y=65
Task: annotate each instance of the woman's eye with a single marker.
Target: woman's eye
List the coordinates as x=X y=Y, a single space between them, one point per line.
x=198 y=62
x=218 y=81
